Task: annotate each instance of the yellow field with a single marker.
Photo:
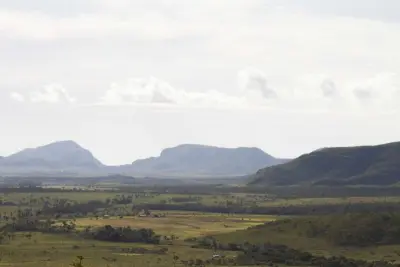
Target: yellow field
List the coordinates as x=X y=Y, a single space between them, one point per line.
x=40 y=250
x=183 y=224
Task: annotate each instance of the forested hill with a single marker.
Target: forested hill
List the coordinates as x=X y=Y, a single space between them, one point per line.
x=364 y=165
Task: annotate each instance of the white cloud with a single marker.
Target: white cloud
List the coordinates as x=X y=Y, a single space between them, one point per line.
x=381 y=90
x=17 y=97
x=52 y=93
x=252 y=80
x=328 y=88
x=152 y=91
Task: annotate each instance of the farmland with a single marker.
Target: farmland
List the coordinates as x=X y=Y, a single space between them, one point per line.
x=51 y=228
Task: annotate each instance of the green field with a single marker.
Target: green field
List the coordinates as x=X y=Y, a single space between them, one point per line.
x=296 y=233
x=180 y=231
x=59 y=250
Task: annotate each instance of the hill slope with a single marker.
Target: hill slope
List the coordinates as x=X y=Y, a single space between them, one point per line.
x=366 y=165
x=206 y=160
x=58 y=156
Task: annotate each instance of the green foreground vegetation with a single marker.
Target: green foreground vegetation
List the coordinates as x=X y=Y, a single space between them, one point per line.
x=179 y=227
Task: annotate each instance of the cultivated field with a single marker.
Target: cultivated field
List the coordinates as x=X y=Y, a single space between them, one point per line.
x=183 y=224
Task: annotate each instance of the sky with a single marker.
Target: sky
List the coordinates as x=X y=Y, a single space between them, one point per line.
x=127 y=78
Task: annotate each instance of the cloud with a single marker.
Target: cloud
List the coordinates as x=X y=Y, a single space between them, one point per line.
x=17 y=97
x=52 y=93
x=381 y=90
x=328 y=88
x=252 y=80
x=155 y=92
x=310 y=93
x=363 y=94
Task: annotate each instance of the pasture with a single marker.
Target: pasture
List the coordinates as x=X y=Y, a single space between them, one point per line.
x=182 y=224
x=38 y=249
x=176 y=226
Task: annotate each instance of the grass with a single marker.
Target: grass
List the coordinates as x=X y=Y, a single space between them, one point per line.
x=265 y=200
x=183 y=224
x=329 y=201
x=77 y=196
x=59 y=250
x=294 y=238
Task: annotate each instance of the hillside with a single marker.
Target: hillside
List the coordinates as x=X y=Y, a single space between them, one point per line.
x=58 y=156
x=329 y=232
x=206 y=160
x=365 y=165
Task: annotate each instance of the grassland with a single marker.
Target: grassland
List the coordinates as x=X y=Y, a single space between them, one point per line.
x=183 y=224
x=293 y=234
x=38 y=249
x=60 y=250
x=208 y=200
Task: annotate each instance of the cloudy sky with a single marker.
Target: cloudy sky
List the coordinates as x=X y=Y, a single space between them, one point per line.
x=127 y=78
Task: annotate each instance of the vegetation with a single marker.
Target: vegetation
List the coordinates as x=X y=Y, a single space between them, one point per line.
x=350 y=229
x=199 y=226
x=123 y=234
x=367 y=165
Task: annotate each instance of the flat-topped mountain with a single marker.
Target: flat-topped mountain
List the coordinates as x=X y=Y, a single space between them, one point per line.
x=70 y=158
x=59 y=156
x=363 y=165
x=206 y=160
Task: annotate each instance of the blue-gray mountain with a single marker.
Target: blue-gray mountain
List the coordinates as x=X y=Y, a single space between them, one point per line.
x=206 y=160
x=364 y=165
x=61 y=156
x=185 y=160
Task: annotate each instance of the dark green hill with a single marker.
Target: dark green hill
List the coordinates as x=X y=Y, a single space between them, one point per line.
x=365 y=165
x=350 y=229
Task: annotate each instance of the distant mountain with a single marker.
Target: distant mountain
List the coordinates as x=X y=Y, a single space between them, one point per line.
x=58 y=156
x=206 y=160
x=365 y=165
x=70 y=159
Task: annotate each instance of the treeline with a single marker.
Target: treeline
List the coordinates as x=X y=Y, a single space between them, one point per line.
x=277 y=191
x=123 y=234
x=320 y=209
x=64 y=206
x=278 y=254
x=350 y=229
x=106 y=233
x=271 y=254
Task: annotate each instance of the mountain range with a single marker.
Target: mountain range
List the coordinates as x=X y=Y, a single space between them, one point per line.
x=70 y=158
x=207 y=160
x=363 y=165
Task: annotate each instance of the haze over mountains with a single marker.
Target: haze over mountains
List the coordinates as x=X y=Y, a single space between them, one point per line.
x=364 y=165
x=64 y=156
x=207 y=160
x=191 y=160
